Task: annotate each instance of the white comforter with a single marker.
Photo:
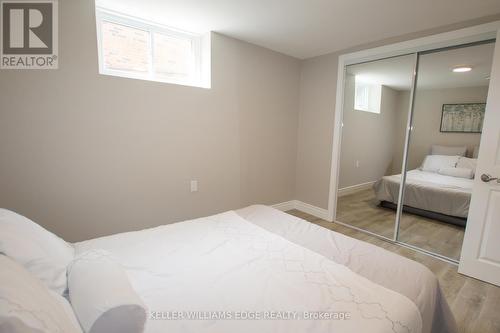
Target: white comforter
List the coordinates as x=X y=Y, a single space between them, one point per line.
x=226 y=266
x=429 y=191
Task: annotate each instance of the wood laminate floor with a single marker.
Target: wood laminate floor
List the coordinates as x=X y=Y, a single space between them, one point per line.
x=475 y=304
x=361 y=209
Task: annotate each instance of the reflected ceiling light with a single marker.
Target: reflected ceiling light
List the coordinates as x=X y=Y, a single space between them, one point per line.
x=462 y=69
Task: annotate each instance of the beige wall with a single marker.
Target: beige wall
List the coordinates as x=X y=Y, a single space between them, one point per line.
x=403 y=104
x=367 y=138
x=316 y=121
x=88 y=155
x=316 y=117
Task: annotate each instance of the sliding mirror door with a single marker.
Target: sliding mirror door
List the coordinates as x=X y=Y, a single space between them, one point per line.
x=372 y=143
x=448 y=111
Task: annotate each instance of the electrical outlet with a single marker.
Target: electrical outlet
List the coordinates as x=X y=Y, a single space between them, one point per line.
x=357 y=163
x=194 y=186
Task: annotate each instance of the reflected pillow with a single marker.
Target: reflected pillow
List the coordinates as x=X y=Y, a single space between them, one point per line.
x=456 y=172
x=448 y=150
x=433 y=163
x=468 y=163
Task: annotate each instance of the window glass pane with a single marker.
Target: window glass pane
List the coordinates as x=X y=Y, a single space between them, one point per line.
x=367 y=96
x=173 y=57
x=124 y=48
x=361 y=96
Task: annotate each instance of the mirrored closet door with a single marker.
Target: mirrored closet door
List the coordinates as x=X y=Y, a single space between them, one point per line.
x=411 y=129
x=373 y=133
x=447 y=118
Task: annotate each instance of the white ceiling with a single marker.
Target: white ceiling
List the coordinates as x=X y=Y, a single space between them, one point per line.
x=435 y=70
x=395 y=73
x=306 y=28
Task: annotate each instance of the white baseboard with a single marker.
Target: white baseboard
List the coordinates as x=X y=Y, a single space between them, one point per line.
x=355 y=188
x=303 y=207
x=312 y=210
x=284 y=206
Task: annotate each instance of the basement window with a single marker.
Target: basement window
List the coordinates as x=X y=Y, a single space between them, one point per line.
x=134 y=48
x=367 y=96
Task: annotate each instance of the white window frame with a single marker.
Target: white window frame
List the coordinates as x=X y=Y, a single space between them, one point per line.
x=199 y=77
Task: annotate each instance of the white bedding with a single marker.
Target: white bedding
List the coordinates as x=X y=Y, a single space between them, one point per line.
x=428 y=191
x=388 y=269
x=228 y=263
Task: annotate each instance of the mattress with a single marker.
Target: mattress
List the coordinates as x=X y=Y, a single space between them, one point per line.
x=428 y=191
x=260 y=270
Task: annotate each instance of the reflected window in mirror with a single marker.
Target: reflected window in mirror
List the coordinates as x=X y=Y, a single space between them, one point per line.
x=367 y=95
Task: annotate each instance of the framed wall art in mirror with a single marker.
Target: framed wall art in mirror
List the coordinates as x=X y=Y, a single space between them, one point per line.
x=462 y=118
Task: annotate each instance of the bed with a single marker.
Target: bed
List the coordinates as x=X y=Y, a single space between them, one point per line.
x=260 y=270
x=428 y=193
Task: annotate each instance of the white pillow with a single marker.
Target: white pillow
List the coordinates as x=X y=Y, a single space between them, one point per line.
x=433 y=163
x=448 y=150
x=457 y=172
x=468 y=163
x=41 y=252
x=27 y=305
x=102 y=296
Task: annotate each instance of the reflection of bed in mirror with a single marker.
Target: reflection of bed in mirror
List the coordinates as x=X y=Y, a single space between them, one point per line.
x=440 y=189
